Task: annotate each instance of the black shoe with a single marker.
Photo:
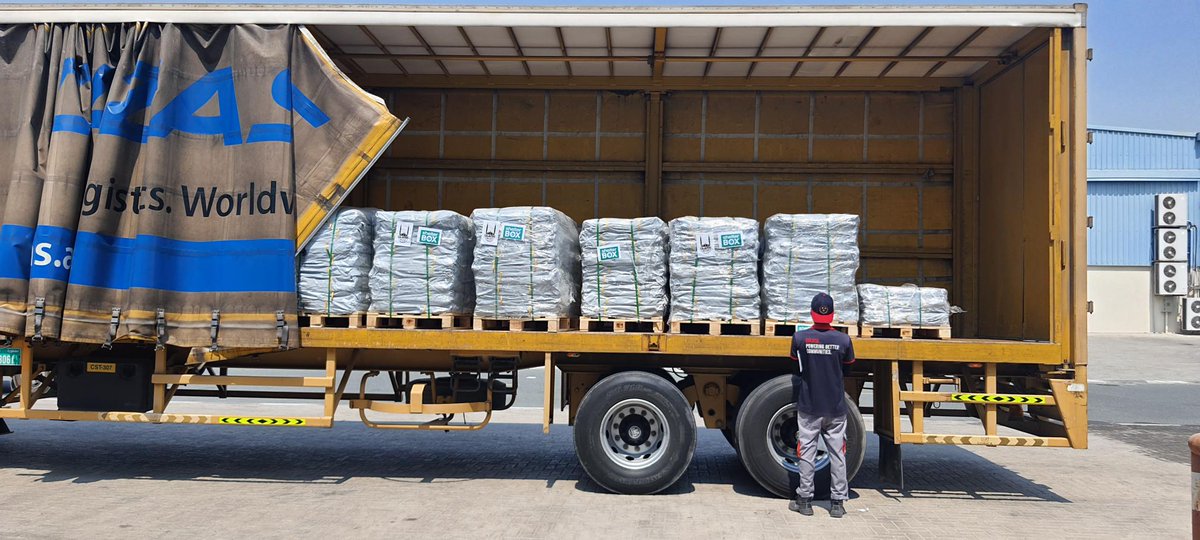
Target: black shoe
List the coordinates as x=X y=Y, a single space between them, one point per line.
x=836 y=509
x=801 y=505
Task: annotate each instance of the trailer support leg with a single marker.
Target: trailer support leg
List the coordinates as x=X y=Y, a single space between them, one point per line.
x=891 y=462
x=4 y=428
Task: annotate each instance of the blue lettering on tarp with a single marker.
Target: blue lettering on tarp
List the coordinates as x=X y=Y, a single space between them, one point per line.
x=148 y=262
x=15 y=244
x=179 y=114
x=115 y=119
x=52 y=253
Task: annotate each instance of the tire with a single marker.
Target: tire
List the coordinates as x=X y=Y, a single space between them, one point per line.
x=766 y=441
x=634 y=433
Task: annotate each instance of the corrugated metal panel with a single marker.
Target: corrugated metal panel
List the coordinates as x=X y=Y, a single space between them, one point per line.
x=1131 y=150
x=1124 y=220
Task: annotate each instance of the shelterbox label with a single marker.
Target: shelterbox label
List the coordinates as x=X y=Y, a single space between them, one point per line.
x=731 y=240
x=515 y=233
x=429 y=237
x=10 y=356
x=608 y=253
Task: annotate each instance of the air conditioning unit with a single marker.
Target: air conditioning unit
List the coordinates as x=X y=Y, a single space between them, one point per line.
x=1170 y=210
x=1191 y=314
x=1172 y=244
x=1172 y=279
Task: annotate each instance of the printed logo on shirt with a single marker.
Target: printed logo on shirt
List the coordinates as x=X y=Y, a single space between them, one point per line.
x=821 y=348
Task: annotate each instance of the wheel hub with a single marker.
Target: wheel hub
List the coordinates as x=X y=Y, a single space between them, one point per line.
x=783 y=433
x=635 y=433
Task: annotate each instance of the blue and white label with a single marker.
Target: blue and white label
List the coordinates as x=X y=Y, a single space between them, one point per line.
x=608 y=253
x=512 y=232
x=429 y=237
x=731 y=240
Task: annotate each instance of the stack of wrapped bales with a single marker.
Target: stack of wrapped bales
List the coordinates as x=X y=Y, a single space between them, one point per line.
x=335 y=265
x=624 y=268
x=422 y=263
x=806 y=254
x=526 y=263
x=714 y=269
x=907 y=305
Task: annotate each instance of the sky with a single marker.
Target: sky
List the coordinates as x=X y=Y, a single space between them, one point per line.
x=1145 y=72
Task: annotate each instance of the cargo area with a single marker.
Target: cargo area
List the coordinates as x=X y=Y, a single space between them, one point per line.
x=961 y=164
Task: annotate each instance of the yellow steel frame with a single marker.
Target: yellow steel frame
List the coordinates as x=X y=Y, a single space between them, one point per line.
x=472 y=342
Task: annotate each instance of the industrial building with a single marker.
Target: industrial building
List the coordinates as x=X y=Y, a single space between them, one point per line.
x=1127 y=170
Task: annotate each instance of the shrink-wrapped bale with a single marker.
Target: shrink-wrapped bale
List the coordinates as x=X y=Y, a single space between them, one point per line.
x=422 y=263
x=906 y=305
x=526 y=263
x=335 y=265
x=624 y=268
x=714 y=269
x=806 y=254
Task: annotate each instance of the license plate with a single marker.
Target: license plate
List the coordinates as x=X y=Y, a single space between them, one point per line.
x=10 y=357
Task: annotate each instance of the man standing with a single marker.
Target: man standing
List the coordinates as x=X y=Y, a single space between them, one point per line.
x=822 y=357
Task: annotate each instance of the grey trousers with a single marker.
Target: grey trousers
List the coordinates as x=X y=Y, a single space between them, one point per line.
x=833 y=431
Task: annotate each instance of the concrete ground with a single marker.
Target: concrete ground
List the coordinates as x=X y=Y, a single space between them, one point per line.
x=66 y=480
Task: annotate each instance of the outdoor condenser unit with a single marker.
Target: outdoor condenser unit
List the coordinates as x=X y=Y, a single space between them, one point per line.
x=1170 y=210
x=1172 y=244
x=1171 y=278
x=1191 y=314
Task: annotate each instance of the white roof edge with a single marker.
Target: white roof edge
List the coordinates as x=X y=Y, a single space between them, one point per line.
x=802 y=16
x=1147 y=131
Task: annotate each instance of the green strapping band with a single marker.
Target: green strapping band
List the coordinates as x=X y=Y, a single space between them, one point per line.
x=427 y=293
x=329 y=271
x=788 y=298
x=599 y=307
x=637 y=296
x=528 y=240
x=731 y=269
x=695 y=272
x=888 y=294
x=391 y=261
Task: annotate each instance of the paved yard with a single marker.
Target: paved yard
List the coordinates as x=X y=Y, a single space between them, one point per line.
x=65 y=480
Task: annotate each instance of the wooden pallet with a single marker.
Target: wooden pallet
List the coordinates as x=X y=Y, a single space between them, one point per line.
x=446 y=321
x=652 y=325
x=536 y=324
x=772 y=327
x=906 y=332
x=321 y=320
x=735 y=327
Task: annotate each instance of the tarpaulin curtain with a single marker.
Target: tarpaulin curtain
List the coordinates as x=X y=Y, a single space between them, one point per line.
x=148 y=167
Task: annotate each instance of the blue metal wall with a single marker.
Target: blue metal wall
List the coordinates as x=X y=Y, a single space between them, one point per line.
x=1126 y=169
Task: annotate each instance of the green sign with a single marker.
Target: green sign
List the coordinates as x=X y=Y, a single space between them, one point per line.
x=10 y=357
x=731 y=240
x=429 y=237
x=516 y=233
x=609 y=253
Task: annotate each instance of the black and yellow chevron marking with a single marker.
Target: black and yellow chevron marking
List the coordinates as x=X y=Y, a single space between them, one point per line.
x=998 y=398
x=260 y=421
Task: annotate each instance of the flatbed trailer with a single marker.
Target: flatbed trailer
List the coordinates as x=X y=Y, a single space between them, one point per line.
x=984 y=195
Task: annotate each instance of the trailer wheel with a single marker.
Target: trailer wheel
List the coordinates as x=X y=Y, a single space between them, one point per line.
x=635 y=433
x=766 y=435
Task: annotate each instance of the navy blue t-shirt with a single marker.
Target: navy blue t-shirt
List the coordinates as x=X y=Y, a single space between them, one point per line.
x=823 y=358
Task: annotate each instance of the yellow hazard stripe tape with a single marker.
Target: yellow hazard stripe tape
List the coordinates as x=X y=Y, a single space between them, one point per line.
x=261 y=421
x=998 y=398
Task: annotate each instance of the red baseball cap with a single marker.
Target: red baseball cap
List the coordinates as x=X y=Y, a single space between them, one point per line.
x=822 y=308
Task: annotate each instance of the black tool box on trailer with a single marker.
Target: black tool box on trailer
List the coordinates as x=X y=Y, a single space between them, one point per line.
x=104 y=384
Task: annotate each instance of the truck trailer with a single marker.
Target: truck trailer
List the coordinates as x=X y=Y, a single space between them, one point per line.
x=957 y=134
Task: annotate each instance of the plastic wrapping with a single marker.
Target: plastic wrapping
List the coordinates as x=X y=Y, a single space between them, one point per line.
x=714 y=269
x=526 y=263
x=335 y=265
x=422 y=263
x=624 y=268
x=806 y=254
x=907 y=305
